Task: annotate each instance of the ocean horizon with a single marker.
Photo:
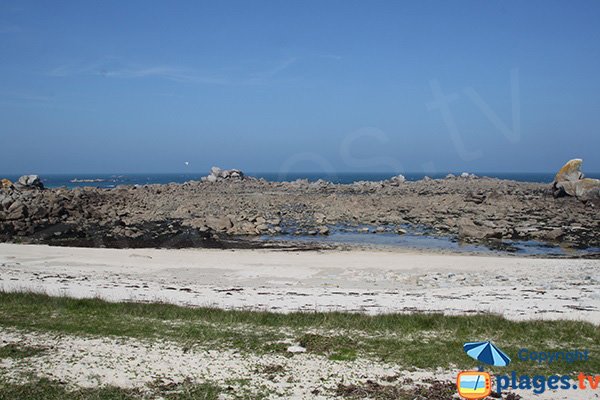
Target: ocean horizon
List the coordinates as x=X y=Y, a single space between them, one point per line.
x=110 y=180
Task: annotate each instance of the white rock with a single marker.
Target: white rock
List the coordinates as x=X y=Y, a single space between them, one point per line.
x=296 y=349
x=398 y=178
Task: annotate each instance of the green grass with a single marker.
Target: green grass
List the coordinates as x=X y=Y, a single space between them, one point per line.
x=337 y=348
x=409 y=340
x=17 y=351
x=46 y=389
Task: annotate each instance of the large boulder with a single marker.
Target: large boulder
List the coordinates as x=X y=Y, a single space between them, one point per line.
x=218 y=174
x=29 y=182
x=570 y=181
x=570 y=172
x=587 y=189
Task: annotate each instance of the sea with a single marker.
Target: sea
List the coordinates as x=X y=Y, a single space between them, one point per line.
x=113 y=180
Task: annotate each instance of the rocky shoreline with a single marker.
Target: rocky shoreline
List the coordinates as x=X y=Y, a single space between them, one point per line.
x=227 y=208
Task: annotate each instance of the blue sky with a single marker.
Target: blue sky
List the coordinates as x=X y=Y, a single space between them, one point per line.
x=138 y=86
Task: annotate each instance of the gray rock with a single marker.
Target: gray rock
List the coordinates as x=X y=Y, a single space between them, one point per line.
x=211 y=178
x=219 y=223
x=323 y=230
x=262 y=227
x=5 y=202
x=218 y=174
x=275 y=221
x=551 y=235
x=38 y=212
x=29 y=182
x=320 y=218
x=588 y=189
x=396 y=180
x=17 y=210
x=467 y=229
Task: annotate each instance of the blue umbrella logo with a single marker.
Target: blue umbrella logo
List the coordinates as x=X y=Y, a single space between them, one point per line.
x=487 y=353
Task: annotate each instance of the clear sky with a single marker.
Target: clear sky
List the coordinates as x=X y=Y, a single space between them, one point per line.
x=144 y=86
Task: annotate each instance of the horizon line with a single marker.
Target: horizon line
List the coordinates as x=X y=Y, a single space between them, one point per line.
x=250 y=173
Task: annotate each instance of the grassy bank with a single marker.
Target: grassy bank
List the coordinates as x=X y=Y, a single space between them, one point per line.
x=415 y=340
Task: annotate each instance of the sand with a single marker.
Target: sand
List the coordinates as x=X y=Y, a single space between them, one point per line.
x=371 y=281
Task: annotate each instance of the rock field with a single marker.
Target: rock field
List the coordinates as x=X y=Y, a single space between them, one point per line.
x=233 y=207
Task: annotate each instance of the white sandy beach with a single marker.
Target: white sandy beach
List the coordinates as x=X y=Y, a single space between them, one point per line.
x=368 y=281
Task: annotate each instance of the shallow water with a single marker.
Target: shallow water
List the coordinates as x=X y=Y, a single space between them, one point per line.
x=112 y=180
x=419 y=239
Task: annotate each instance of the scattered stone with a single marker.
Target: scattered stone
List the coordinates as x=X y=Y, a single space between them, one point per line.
x=196 y=213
